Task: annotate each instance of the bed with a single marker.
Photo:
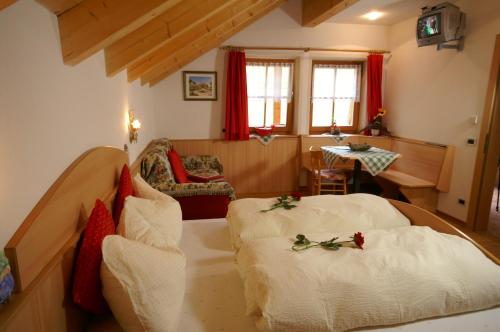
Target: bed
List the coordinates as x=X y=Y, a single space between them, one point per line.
x=42 y=253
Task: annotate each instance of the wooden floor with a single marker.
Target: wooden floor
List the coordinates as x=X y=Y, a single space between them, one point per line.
x=484 y=238
x=494 y=224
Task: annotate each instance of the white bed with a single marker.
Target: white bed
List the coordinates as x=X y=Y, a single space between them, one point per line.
x=214 y=299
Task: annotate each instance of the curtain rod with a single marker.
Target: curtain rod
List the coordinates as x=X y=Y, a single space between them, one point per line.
x=304 y=49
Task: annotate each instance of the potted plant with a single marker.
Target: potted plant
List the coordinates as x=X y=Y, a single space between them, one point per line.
x=376 y=125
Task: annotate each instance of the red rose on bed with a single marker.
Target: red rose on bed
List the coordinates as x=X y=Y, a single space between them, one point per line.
x=296 y=195
x=358 y=239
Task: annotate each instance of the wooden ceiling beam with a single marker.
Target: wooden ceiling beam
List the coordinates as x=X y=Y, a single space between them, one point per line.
x=6 y=3
x=95 y=24
x=209 y=41
x=59 y=6
x=156 y=33
x=315 y=12
x=205 y=27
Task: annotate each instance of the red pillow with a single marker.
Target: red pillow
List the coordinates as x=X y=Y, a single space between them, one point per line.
x=87 y=282
x=177 y=167
x=125 y=188
x=205 y=179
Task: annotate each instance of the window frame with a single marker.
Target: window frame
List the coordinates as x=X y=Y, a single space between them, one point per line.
x=357 y=105
x=290 y=108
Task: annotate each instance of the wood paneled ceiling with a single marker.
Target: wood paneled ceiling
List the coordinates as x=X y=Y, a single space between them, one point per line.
x=151 y=39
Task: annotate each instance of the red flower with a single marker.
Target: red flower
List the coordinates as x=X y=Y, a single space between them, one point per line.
x=296 y=195
x=358 y=239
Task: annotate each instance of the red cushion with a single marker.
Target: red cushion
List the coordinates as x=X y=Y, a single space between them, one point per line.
x=125 y=188
x=204 y=179
x=180 y=173
x=87 y=282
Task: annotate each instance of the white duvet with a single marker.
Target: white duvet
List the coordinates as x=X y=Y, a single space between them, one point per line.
x=403 y=274
x=313 y=214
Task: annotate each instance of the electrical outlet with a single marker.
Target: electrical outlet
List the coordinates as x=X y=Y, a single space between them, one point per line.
x=461 y=201
x=471 y=141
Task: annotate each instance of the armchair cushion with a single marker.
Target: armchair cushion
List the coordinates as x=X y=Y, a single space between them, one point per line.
x=205 y=175
x=200 y=189
x=202 y=162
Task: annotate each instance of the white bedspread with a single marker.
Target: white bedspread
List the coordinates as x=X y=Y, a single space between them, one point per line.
x=314 y=214
x=404 y=274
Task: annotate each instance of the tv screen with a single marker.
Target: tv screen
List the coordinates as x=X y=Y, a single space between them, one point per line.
x=429 y=26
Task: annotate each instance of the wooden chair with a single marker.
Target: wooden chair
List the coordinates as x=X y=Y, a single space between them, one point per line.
x=326 y=180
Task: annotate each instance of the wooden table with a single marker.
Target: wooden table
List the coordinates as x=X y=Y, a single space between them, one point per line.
x=375 y=160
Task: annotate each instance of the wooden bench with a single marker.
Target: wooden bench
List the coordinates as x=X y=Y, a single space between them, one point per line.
x=423 y=170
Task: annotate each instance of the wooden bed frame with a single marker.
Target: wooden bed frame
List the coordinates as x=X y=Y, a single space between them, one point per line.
x=42 y=250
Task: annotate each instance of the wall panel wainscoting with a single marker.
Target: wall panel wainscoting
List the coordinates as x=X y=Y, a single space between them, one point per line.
x=253 y=169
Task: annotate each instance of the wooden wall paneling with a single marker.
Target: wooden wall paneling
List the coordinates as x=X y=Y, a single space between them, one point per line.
x=160 y=55
x=6 y=3
x=95 y=24
x=210 y=40
x=160 y=31
x=381 y=142
x=421 y=160
x=59 y=6
x=251 y=167
x=315 y=12
x=477 y=193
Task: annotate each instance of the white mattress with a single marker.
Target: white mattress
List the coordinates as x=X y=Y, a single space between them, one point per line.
x=214 y=299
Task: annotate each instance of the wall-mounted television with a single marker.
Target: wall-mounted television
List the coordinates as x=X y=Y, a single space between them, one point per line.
x=439 y=24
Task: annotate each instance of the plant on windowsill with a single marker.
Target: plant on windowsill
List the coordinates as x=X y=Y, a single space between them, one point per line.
x=376 y=127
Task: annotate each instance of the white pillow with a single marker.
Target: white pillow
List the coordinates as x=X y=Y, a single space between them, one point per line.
x=143 y=190
x=153 y=222
x=144 y=286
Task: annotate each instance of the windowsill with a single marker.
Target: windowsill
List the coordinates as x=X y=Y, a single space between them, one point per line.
x=278 y=135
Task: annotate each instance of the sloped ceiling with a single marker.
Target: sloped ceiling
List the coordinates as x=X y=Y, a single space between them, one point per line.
x=151 y=39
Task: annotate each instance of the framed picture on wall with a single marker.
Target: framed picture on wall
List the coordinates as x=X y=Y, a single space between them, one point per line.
x=200 y=85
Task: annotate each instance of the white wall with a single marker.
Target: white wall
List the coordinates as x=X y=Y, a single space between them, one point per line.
x=432 y=95
x=177 y=118
x=51 y=113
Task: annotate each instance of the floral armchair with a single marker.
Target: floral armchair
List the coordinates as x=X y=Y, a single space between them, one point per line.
x=198 y=200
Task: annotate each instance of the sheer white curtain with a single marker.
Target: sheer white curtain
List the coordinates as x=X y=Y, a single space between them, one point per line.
x=336 y=88
x=271 y=80
x=268 y=83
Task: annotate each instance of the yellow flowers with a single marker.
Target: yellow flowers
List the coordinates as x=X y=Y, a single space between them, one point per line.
x=381 y=112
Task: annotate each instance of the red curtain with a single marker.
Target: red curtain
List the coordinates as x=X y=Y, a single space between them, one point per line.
x=374 y=94
x=236 y=98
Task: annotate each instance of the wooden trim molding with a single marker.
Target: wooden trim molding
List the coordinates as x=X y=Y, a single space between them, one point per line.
x=315 y=12
x=491 y=93
x=6 y=3
x=353 y=129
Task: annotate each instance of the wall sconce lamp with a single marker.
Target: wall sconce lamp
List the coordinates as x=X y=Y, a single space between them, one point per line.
x=133 y=127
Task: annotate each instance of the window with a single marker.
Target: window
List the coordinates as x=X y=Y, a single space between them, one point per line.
x=335 y=95
x=270 y=93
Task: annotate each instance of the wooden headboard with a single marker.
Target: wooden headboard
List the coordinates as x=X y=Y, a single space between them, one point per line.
x=42 y=249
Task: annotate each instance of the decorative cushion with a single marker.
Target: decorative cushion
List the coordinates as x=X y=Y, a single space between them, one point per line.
x=143 y=190
x=143 y=285
x=87 y=284
x=153 y=222
x=125 y=188
x=177 y=167
x=205 y=175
